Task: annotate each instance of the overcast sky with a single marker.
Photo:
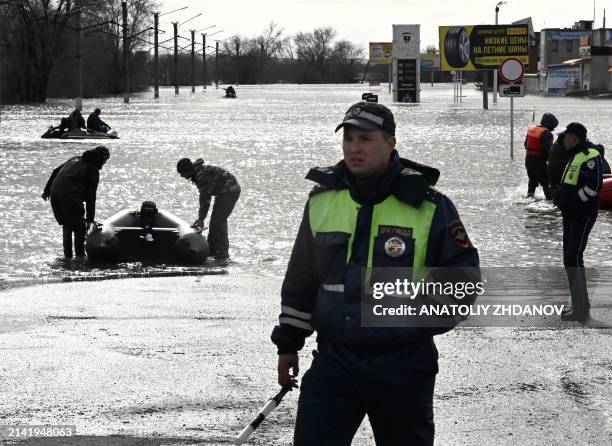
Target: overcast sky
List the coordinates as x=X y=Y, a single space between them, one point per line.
x=364 y=21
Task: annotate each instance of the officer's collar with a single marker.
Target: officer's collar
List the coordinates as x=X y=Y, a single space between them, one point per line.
x=410 y=185
x=582 y=146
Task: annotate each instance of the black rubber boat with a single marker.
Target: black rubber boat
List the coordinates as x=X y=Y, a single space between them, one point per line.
x=147 y=235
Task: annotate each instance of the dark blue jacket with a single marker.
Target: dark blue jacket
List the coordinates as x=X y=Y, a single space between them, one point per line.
x=338 y=320
x=584 y=196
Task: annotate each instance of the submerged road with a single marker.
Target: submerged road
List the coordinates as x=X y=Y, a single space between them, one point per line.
x=187 y=360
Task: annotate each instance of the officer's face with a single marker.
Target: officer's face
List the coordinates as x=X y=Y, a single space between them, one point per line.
x=366 y=152
x=570 y=140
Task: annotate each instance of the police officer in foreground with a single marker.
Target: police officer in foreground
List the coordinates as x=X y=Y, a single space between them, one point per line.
x=376 y=209
x=578 y=198
x=537 y=144
x=212 y=181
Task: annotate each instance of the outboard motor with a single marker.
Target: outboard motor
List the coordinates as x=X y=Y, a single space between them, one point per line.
x=148 y=211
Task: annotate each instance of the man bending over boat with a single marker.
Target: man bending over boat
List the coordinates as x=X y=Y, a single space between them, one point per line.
x=212 y=180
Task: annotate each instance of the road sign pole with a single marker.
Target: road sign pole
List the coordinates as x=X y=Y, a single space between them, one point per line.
x=512 y=70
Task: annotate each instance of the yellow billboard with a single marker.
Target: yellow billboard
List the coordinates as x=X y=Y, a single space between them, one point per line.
x=482 y=47
x=380 y=53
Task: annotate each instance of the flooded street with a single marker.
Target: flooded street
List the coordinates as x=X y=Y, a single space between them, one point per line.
x=188 y=360
x=268 y=138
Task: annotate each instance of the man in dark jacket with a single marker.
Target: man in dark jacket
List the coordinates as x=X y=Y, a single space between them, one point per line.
x=537 y=144
x=76 y=120
x=558 y=157
x=71 y=184
x=371 y=210
x=95 y=123
x=213 y=181
x=578 y=198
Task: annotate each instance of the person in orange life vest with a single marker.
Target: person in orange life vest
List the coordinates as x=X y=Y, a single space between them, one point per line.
x=537 y=144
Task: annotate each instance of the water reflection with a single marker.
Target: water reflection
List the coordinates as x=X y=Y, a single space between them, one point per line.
x=268 y=139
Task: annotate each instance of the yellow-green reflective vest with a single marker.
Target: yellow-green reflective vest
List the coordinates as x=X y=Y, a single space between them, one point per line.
x=572 y=171
x=336 y=211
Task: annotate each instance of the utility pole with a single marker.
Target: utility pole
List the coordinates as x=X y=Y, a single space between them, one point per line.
x=495 y=71
x=126 y=53
x=217 y=65
x=156 y=57
x=193 y=60
x=204 y=60
x=176 y=83
x=78 y=100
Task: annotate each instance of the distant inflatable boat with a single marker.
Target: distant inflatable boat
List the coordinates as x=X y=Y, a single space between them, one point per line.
x=52 y=133
x=149 y=235
x=605 y=196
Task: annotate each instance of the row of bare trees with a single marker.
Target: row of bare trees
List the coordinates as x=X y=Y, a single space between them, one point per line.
x=38 y=45
x=306 y=57
x=40 y=41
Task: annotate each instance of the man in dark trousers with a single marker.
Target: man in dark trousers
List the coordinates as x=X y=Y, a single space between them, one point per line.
x=213 y=181
x=71 y=184
x=578 y=198
x=537 y=144
x=95 y=123
x=373 y=209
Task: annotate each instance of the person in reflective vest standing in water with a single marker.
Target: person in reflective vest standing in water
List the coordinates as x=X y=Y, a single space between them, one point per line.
x=578 y=198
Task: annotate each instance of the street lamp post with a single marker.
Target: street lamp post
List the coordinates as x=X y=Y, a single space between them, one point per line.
x=495 y=71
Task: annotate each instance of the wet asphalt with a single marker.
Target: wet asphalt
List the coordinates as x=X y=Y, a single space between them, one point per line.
x=187 y=360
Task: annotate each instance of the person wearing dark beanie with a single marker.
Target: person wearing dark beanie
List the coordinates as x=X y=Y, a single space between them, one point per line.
x=578 y=198
x=70 y=185
x=212 y=181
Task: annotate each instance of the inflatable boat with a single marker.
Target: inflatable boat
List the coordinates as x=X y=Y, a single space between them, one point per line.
x=54 y=133
x=605 y=195
x=148 y=235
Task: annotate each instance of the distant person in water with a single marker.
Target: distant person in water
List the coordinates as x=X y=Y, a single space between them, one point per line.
x=538 y=142
x=212 y=181
x=75 y=120
x=95 y=123
x=70 y=185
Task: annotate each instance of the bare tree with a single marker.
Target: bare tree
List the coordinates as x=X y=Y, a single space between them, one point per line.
x=287 y=49
x=345 y=55
x=33 y=37
x=270 y=41
x=110 y=14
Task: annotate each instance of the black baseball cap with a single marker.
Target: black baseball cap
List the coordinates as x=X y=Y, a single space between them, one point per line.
x=369 y=116
x=577 y=129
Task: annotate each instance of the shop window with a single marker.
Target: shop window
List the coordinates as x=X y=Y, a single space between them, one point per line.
x=555 y=46
x=568 y=45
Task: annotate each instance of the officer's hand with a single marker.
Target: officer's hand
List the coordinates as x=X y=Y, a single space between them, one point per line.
x=198 y=224
x=45 y=196
x=286 y=362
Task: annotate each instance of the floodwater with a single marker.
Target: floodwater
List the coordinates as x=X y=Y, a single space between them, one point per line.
x=268 y=138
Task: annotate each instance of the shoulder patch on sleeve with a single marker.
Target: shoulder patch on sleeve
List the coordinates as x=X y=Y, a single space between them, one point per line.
x=458 y=234
x=590 y=164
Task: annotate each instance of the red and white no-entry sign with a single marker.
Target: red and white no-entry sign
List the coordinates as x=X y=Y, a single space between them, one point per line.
x=512 y=70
